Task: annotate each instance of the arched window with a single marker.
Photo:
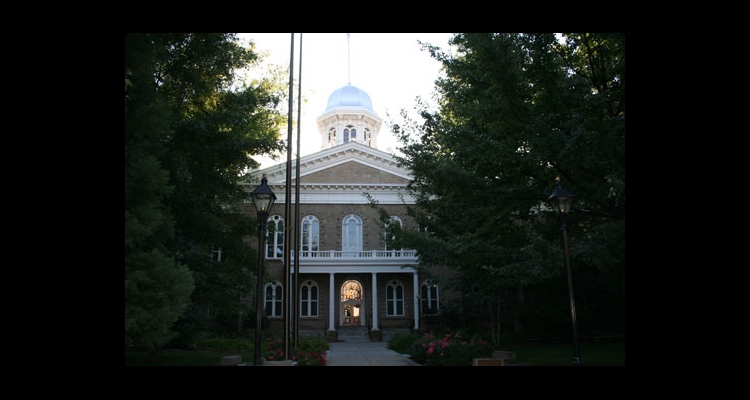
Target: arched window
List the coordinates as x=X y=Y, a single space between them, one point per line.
x=351 y=290
x=274 y=299
x=310 y=236
x=308 y=299
x=332 y=136
x=350 y=134
x=275 y=237
x=351 y=235
x=429 y=304
x=388 y=236
x=394 y=299
x=368 y=137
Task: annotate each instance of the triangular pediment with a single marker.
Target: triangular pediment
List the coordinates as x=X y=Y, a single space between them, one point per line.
x=344 y=174
x=351 y=163
x=352 y=172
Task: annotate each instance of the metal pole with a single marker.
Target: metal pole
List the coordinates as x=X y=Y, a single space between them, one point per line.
x=576 y=353
x=259 y=297
x=295 y=284
x=288 y=206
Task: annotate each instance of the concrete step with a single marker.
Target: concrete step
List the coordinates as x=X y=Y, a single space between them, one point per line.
x=353 y=334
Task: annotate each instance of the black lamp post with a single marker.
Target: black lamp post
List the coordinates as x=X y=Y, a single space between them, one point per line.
x=561 y=200
x=263 y=197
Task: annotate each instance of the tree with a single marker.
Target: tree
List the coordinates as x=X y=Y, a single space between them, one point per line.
x=157 y=288
x=208 y=126
x=515 y=111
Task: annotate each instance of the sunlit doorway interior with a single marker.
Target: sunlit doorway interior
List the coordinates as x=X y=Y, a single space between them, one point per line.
x=351 y=303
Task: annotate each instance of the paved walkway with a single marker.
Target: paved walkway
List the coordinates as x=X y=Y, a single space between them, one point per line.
x=366 y=354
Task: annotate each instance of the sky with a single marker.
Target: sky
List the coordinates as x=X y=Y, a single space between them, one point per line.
x=390 y=67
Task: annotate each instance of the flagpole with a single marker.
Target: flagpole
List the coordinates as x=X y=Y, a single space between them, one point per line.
x=295 y=305
x=288 y=203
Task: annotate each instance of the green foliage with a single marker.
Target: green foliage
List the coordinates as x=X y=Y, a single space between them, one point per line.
x=157 y=292
x=402 y=342
x=309 y=358
x=311 y=351
x=191 y=130
x=605 y=352
x=157 y=289
x=191 y=328
x=451 y=349
x=516 y=111
x=226 y=344
x=183 y=358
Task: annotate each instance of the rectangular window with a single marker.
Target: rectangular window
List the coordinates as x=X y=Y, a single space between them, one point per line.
x=314 y=301
x=394 y=300
x=273 y=303
x=389 y=301
x=304 y=302
x=278 y=301
x=399 y=300
x=308 y=301
x=434 y=298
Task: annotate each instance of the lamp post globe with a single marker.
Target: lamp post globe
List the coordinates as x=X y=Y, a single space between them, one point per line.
x=263 y=196
x=561 y=201
x=263 y=199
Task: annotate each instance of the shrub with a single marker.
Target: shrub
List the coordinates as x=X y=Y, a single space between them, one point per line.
x=225 y=344
x=311 y=351
x=311 y=358
x=450 y=350
x=403 y=342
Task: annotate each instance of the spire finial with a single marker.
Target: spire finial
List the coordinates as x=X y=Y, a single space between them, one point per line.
x=348 y=59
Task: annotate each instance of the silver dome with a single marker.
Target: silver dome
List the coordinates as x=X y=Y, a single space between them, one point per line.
x=349 y=96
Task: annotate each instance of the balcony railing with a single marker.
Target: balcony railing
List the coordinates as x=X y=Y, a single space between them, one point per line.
x=337 y=254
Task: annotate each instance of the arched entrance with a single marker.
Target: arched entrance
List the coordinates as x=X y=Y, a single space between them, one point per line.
x=351 y=310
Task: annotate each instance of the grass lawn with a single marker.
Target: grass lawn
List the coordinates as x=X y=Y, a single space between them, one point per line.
x=561 y=354
x=537 y=354
x=191 y=358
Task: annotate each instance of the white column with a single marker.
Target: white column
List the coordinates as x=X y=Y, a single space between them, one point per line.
x=374 y=306
x=416 y=300
x=331 y=304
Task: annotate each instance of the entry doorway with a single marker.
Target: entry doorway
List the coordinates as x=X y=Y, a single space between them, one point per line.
x=351 y=314
x=351 y=311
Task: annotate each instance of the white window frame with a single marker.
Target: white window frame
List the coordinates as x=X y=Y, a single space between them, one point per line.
x=313 y=304
x=395 y=305
x=274 y=299
x=310 y=232
x=351 y=235
x=275 y=237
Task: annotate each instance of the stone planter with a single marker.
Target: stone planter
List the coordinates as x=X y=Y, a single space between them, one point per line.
x=281 y=363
